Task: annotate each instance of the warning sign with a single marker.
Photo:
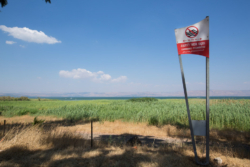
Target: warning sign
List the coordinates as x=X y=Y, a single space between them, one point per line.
x=193 y=39
x=192 y=31
x=199 y=48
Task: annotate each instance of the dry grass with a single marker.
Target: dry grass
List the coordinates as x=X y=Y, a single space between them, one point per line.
x=32 y=146
x=25 y=119
x=25 y=145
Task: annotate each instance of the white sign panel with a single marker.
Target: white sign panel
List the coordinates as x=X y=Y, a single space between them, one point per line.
x=193 y=39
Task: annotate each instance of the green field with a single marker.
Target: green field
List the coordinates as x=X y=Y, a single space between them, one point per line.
x=224 y=114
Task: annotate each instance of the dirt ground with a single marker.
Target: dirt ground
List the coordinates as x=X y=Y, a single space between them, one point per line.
x=232 y=147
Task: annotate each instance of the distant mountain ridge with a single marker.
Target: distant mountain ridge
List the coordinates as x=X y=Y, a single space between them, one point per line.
x=133 y=94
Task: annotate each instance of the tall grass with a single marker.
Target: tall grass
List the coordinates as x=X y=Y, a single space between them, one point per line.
x=224 y=114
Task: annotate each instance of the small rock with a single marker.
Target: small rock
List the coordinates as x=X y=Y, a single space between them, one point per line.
x=218 y=160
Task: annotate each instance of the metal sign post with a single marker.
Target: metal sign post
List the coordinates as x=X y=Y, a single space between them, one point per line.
x=91 y=133
x=186 y=99
x=207 y=110
x=194 y=39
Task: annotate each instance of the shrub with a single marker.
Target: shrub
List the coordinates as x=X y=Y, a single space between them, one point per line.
x=22 y=112
x=33 y=111
x=23 y=98
x=143 y=99
x=153 y=121
x=37 y=121
x=8 y=98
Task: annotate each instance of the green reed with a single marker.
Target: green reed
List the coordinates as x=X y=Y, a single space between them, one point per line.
x=224 y=114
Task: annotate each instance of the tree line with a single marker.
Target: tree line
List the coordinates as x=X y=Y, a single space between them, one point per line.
x=8 y=98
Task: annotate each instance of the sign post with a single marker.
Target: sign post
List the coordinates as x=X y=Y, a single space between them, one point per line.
x=207 y=110
x=194 y=39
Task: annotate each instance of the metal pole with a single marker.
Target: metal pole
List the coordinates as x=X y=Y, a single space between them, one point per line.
x=4 y=122
x=207 y=110
x=189 y=117
x=91 y=133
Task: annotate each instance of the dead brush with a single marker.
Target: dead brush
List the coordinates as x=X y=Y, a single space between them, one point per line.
x=64 y=139
x=38 y=146
x=36 y=137
x=28 y=136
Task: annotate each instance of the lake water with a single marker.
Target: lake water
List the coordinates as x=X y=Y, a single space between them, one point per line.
x=125 y=98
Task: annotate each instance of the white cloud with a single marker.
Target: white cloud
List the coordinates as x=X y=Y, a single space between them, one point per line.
x=99 y=76
x=39 y=77
x=133 y=83
x=119 y=79
x=29 y=35
x=100 y=72
x=105 y=77
x=10 y=42
x=22 y=46
x=246 y=82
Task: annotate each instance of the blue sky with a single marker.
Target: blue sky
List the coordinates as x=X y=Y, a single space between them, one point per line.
x=119 y=46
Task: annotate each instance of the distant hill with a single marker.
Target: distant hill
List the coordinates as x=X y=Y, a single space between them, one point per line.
x=133 y=94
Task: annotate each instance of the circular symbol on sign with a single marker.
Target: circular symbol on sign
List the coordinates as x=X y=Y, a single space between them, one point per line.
x=191 y=31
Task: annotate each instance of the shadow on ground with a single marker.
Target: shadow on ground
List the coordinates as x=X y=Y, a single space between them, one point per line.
x=78 y=153
x=149 y=141
x=108 y=150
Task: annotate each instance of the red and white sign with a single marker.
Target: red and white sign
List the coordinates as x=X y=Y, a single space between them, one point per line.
x=193 y=39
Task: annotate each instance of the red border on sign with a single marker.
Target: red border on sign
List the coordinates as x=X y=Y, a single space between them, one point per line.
x=190 y=30
x=198 y=48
